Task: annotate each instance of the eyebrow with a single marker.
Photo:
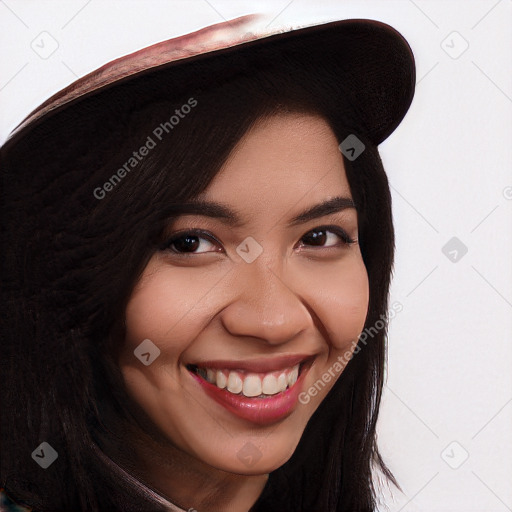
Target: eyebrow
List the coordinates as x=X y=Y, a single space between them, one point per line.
x=234 y=218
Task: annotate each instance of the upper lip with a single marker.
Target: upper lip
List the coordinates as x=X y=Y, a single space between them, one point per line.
x=262 y=365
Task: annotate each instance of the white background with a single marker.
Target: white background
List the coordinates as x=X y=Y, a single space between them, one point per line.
x=449 y=164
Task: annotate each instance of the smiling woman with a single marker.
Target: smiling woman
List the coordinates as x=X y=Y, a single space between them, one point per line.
x=234 y=360
x=187 y=341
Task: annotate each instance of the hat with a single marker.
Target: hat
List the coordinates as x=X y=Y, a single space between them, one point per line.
x=374 y=63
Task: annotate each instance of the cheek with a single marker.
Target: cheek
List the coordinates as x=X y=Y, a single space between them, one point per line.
x=167 y=307
x=340 y=300
x=172 y=305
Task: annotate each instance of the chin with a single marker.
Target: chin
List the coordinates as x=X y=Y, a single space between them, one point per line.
x=256 y=455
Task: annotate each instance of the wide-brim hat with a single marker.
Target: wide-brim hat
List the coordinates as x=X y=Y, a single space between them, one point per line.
x=373 y=61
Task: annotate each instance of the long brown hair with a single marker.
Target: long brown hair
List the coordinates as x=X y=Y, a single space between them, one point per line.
x=71 y=259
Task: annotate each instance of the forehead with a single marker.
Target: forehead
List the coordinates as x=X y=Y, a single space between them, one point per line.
x=282 y=160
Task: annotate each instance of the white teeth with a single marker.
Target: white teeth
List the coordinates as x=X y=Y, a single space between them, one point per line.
x=252 y=386
x=235 y=383
x=293 y=375
x=221 y=380
x=210 y=376
x=282 y=382
x=269 y=385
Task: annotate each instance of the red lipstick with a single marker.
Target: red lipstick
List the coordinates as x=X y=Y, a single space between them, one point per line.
x=261 y=410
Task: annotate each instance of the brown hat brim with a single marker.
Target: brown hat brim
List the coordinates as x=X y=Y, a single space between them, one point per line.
x=374 y=62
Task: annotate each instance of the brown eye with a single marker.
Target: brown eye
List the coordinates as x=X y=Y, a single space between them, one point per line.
x=189 y=242
x=325 y=234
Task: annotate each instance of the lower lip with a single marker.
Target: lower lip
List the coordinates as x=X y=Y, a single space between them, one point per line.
x=262 y=411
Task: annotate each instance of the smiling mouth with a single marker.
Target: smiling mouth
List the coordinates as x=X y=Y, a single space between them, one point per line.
x=250 y=384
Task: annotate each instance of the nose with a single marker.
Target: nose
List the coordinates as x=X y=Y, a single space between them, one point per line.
x=265 y=306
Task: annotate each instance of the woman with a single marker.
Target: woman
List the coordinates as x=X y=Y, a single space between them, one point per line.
x=195 y=240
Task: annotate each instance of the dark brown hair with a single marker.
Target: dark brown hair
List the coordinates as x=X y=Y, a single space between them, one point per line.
x=70 y=261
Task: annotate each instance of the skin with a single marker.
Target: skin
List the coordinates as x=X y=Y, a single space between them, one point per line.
x=297 y=297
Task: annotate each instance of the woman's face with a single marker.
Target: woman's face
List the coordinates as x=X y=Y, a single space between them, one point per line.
x=254 y=321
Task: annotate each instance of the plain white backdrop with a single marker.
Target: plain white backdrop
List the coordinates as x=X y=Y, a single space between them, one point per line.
x=445 y=427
